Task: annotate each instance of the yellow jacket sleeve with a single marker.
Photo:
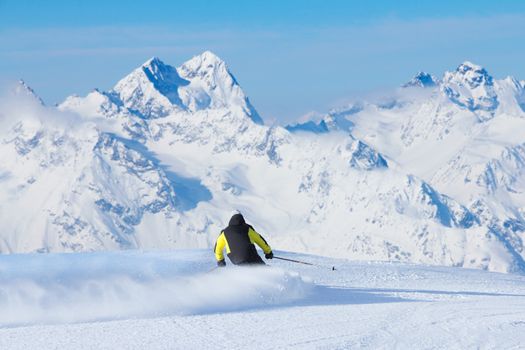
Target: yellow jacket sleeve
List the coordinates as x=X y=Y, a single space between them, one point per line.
x=259 y=240
x=219 y=247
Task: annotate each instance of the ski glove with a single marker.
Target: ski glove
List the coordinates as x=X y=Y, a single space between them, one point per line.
x=269 y=255
x=221 y=263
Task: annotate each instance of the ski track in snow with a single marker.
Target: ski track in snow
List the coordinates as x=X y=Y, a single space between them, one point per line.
x=169 y=300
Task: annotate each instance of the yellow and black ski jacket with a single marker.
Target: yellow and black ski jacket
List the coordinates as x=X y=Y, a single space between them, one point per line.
x=238 y=239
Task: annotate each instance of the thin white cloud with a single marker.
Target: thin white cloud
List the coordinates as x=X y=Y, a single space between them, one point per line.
x=374 y=37
x=310 y=116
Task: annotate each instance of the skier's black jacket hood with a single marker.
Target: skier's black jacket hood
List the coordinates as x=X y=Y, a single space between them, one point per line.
x=237 y=220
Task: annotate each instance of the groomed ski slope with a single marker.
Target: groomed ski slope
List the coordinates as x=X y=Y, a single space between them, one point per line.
x=170 y=300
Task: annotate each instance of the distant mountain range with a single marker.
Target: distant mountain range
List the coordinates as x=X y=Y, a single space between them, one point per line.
x=433 y=173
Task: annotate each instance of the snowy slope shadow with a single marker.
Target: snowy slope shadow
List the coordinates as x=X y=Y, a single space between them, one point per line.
x=189 y=191
x=323 y=295
x=435 y=292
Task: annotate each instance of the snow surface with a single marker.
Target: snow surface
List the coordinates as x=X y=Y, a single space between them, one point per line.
x=171 y=300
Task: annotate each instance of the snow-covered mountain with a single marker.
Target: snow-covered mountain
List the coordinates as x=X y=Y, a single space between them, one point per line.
x=464 y=136
x=156 y=89
x=161 y=159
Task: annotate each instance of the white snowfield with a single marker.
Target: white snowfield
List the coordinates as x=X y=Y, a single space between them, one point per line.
x=171 y=300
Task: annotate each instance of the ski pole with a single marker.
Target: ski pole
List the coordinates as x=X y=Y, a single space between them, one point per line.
x=292 y=260
x=300 y=262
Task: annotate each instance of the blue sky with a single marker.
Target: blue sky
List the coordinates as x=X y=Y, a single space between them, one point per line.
x=291 y=57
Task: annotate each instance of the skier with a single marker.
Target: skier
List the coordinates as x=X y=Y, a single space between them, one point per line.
x=238 y=239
